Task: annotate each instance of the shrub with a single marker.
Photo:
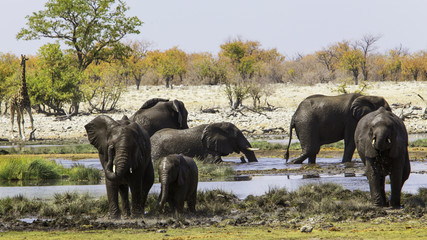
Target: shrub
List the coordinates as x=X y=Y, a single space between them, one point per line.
x=81 y=173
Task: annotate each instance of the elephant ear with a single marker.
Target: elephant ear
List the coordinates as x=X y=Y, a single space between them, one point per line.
x=183 y=170
x=219 y=137
x=144 y=146
x=362 y=106
x=399 y=138
x=179 y=107
x=97 y=131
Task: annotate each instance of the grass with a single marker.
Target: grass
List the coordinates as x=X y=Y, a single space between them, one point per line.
x=264 y=145
x=418 y=143
x=21 y=167
x=65 y=149
x=360 y=230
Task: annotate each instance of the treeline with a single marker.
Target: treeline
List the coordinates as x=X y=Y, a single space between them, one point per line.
x=56 y=79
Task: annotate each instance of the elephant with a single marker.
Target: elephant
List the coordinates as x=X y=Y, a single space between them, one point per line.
x=158 y=113
x=178 y=176
x=321 y=119
x=382 y=143
x=125 y=154
x=208 y=142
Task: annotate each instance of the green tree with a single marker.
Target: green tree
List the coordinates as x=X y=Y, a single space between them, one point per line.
x=169 y=64
x=104 y=83
x=54 y=83
x=137 y=64
x=351 y=61
x=9 y=66
x=91 y=29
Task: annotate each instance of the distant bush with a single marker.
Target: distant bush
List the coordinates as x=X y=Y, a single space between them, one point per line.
x=82 y=173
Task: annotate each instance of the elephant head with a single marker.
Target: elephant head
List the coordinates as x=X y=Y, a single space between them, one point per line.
x=225 y=138
x=363 y=105
x=121 y=145
x=173 y=170
x=383 y=135
x=159 y=113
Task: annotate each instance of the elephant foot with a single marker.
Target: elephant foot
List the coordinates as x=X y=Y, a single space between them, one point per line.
x=296 y=161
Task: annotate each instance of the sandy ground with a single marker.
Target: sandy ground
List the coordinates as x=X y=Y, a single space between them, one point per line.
x=284 y=97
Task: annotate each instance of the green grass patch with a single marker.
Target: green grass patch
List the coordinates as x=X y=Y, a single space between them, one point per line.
x=418 y=143
x=65 y=149
x=20 y=167
x=213 y=171
x=264 y=145
x=82 y=173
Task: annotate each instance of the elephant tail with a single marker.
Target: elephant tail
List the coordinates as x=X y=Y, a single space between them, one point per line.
x=290 y=139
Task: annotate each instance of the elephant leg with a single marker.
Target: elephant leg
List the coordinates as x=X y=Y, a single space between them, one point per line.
x=137 y=200
x=399 y=174
x=147 y=183
x=376 y=184
x=349 y=147
x=113 y=199
x=124 y=196
x=191 y=202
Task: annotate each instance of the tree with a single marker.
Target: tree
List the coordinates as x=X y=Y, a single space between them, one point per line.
x=351 y=61
x=91 y=29
x=9 y=66
x=168 y=64
x=136 y=64
x=366 y=45
x=103 y=85
x=413 y=65
x=55 y=80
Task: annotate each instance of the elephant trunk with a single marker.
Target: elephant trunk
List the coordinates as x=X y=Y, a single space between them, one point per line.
x=114 y=173
x=250 y=155
x=381 y=142
x=164 y=191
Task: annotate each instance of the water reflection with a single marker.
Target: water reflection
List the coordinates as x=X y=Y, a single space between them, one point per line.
x=259 y=185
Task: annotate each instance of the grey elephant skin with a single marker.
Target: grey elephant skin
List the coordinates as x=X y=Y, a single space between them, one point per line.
x=178 y=176
x=207 y=142
x=382 y=143
x=159 y=113
x=124 y=152
x=321 y=119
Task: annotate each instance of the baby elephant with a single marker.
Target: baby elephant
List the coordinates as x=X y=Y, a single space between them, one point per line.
x=382 y=143
x=178 y=176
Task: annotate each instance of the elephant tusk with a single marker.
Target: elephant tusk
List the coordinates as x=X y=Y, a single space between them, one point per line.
x=388 y=140
x=130 y=170
x=252 y=149
x=114 y=168
x=373 y=141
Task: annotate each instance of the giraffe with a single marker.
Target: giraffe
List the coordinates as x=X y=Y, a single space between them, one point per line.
x=19 y=103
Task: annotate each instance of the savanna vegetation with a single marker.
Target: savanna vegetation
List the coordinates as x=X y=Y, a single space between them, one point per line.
x=90 y=62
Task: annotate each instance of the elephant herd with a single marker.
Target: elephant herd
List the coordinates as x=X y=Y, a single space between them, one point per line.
x=158 y=135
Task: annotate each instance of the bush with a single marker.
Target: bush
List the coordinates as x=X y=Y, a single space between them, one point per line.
x=81 y=173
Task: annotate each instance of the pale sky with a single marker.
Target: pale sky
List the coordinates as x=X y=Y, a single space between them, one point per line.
x=291 y=26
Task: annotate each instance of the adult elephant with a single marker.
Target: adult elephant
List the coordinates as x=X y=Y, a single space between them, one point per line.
x=321 y=119
x=178 y=176
x=207 y=142
x=124 y=153
x=159 y=113
x=382 y=143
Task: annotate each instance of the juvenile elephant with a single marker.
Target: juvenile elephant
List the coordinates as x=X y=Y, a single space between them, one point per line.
x=158 y=113
x=321 y=119
x=382 y=143
x=208 y=142
x=178 y=176
x=124 y=153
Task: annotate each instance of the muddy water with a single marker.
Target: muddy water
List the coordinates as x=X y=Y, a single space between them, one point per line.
x=258 y=185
